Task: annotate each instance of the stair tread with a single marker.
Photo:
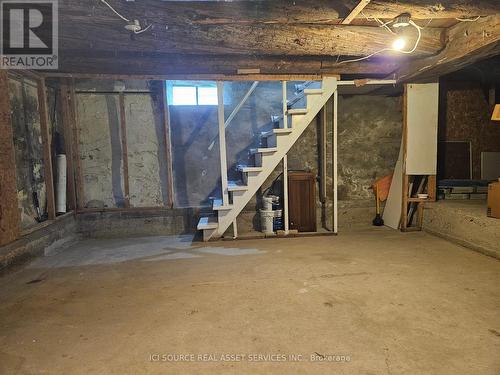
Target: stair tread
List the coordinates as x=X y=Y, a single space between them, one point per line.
x=313 y=91
x=217 y=205
x=277 y=131
x=263 y=150
x=236 y=186
x=250 y=169
x=297 y=111
x=207 y=222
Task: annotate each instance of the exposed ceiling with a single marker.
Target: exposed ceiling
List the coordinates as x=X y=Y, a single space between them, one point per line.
x=277 y=37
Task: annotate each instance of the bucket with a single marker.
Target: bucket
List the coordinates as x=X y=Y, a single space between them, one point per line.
x=278 y=220
x=267 y=221
x=269 y=200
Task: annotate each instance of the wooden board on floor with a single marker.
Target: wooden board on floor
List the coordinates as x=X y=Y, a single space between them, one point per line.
x=392 y=210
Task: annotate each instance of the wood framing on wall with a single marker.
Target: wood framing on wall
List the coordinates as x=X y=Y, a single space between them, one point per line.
x=9 y=213
x=74 y=131
x=47 y=148
x=67 y=123
x=123 y=133
x=168 y=146
x=78 y=174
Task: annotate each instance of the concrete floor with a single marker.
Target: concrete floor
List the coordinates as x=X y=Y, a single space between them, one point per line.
x=390 y=303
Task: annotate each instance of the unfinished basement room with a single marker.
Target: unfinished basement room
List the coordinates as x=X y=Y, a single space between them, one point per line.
x=250 y=187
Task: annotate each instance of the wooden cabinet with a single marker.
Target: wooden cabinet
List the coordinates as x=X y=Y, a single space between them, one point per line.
x=302 y=201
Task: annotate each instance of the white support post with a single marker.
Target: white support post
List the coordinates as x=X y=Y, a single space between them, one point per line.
x=222 y=142
x=285 y=109
x=335 y=159
x=285 y=193
x=235 y=229
x=285 y=163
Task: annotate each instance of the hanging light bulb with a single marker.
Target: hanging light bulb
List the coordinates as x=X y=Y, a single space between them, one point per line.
x=399 y=44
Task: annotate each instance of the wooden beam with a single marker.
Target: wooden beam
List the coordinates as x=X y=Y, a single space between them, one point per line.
x=76 y=146
x=257 y=39
x=354 y=13
x=335 y=174
x=10 y=217
x=123 y=135
x=174 y=65
x=194 y=77
x=47 y=148
x=202 y=13
x=66 y=119
x=168 y=146
x=468 y=42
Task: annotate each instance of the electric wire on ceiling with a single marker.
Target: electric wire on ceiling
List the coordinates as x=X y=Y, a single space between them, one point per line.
x=390 y=49
x=133 y=26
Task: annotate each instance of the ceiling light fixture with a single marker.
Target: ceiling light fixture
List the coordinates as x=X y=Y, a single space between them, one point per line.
x=133 y=26
x=399 y=44
x=398 y=24
x=403 y=20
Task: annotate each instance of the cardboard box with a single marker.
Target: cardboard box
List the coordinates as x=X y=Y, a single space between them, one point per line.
x=494 y=199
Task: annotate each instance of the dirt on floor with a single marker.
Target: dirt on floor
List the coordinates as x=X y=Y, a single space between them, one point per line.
x=374 y=301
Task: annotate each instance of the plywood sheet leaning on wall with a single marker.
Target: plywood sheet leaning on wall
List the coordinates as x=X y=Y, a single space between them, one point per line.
x=392 y=210
x=421 y=128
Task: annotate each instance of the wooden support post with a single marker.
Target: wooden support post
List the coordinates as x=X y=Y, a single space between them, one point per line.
x=323 y=125
x=431 y=187
x=404 y=205
x=10 y=217
x=222 y=142
x=335 y=160
x=285 y=107
x=47 y=148
x=66 y=119
x=73 y=112
x=168 y=146
x=123 y=133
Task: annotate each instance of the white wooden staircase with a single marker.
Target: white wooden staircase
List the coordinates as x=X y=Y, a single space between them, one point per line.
x=278 y=142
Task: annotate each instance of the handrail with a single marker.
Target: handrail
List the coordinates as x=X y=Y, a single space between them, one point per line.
x=235 y=111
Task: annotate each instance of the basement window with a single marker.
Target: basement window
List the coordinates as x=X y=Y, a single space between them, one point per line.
x=191 y=93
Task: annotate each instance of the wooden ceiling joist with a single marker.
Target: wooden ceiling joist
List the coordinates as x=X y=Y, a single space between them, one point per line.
x=467 y=43
x=167 y=64
x=354 y=13
x=280 y=40
x=185 y=13
x=277 y=37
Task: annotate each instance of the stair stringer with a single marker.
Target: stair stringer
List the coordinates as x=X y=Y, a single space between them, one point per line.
x=284 y=143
